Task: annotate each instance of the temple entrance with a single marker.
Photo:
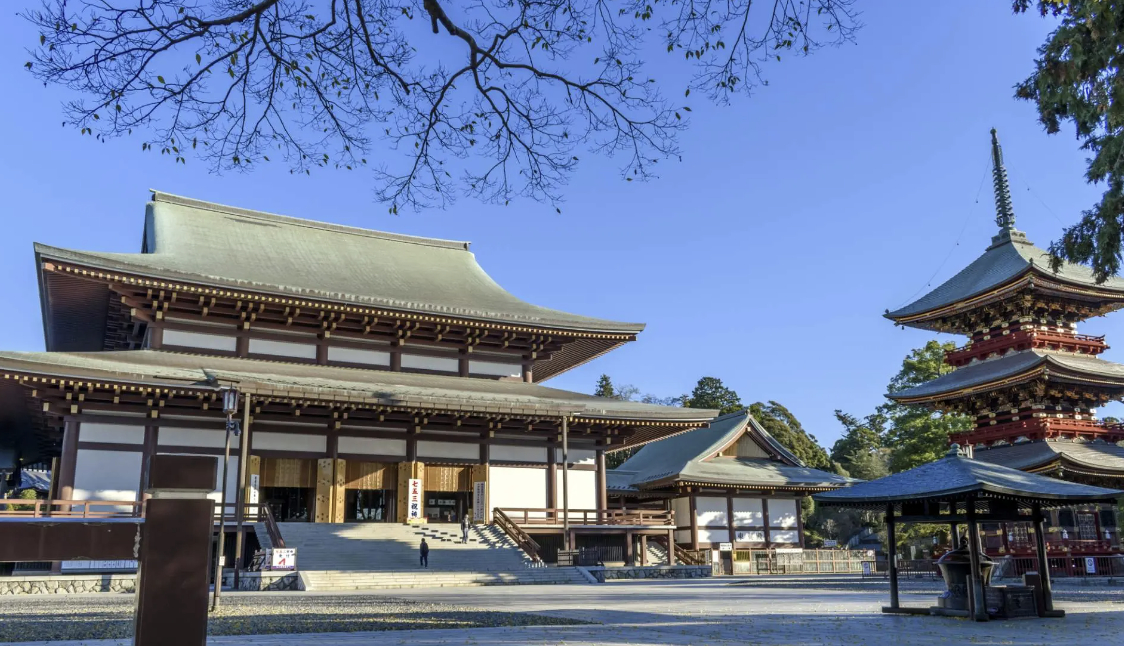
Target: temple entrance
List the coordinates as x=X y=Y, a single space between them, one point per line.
x=289 y=504
x=447 y=506
x=369 y=506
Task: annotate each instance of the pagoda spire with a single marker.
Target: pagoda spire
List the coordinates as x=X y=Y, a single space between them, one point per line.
x=1004 y=211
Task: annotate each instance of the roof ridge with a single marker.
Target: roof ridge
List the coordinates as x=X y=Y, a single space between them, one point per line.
x=169 y=198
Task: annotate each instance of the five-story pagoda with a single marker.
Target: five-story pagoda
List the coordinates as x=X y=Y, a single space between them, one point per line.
x=1030 y=380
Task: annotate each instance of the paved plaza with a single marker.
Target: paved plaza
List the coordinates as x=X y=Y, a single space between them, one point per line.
x=698 y=612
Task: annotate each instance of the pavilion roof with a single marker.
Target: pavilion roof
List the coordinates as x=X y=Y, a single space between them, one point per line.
x=1093 y=458
x=1013 y=367
x=956 y=477
x=692 y=457
x=351 y=385
x=221 y=246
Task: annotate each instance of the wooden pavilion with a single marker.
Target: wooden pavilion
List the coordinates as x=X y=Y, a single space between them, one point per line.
x=957 y=490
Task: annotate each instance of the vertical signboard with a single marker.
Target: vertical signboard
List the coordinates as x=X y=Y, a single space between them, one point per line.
x=414 y=500
x=255 y=481
x=479 y=502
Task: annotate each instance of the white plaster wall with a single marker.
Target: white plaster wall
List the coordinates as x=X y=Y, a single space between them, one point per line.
x=424 y=362
x=782 y=512
x=682 y=509
x=747 y=513
x=200 y=340
x=354 y=355
x=577 y=456
x=107 y=475
x=372 y=446
x=517 y=487
x=785 y=536
x=448 y=450
x=289 y=442
x=495 y=368
x=518 y=453
x=711 y=512
x=583 y=489
x=283 y=348
x=713 y=535
x=116 y=433
x=203 y=438
x=683 y=536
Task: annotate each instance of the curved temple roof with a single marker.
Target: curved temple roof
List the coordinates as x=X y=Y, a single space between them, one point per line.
x=957 y=476
x=691 y=456
x=200 y=242
x=1010 y=257
x=382 y=387
x=1091 y=457
x=1013 y=366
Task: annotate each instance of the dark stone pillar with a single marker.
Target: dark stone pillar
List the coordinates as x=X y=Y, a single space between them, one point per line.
x=1043 y=557
x=175 y=553
x=977 y=601
x=891 y=555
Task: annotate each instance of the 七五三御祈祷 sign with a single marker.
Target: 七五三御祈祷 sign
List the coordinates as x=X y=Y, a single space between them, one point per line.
x=414 y=499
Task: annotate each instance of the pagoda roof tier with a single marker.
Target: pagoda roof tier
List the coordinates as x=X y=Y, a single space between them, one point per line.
x=1095 y=458
x=347 y=387
x=202 y=243
x=1011 y=264
x=1014 y=368
x=957 y=477
x=696 y=458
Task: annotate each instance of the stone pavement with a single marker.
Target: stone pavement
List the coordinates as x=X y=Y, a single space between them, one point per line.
x=713 y=611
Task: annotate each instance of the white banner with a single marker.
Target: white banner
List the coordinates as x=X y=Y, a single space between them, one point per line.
x=414 y=499
x=479 y=500
x=253 y=493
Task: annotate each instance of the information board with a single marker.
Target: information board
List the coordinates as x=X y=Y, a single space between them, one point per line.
x=479 y=501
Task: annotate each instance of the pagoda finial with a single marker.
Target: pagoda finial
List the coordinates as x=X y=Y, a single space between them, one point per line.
x=1004 y=211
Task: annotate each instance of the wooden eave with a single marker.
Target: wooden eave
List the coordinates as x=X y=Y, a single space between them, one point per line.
x=1031 y=278
x=149 y=300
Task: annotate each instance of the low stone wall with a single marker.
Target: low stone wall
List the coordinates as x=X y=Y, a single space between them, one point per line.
x=68 y=584
x=263 y=581
x=603 y=574
x=127 y=583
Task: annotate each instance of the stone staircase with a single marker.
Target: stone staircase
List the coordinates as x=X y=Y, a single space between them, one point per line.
x=263 y=536
x=365 y=556
x=657 y=554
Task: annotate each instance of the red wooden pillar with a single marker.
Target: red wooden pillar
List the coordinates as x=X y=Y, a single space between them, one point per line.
x=68 y=460
x=694 y=524
x=602 y=486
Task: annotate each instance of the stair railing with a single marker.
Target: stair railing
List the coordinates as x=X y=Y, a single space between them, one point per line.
x=685 y=557
x=271 y=527
x=516 y=533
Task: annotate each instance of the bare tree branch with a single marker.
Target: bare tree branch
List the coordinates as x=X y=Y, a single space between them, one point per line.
x=496 y=105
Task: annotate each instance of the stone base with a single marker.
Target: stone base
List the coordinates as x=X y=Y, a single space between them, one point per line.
x=68 y=584
x=262 y=581
x=603 y=574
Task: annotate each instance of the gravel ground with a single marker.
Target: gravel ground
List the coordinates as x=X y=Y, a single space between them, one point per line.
x=108 y=616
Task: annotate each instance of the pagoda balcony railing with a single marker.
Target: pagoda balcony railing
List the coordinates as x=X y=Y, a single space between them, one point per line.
x=1040 y=428
x=585 y=517
x=1024 y=340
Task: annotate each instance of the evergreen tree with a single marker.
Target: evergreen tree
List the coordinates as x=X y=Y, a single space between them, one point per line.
x=711 y=393
x=783 y=425
x=605 y=388
x=916 y=434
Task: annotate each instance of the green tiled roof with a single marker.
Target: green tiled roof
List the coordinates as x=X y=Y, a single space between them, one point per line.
x=380 y=387
x=1009 y=257
x=956 y=476
x=200 y=242
x=1060 y=365
x=689 y=456
x=1094 y=456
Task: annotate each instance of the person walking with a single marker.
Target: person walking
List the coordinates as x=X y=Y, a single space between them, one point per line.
x=424 y=554
x=464 y=529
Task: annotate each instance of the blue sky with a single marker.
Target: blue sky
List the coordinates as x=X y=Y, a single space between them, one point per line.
x=765 y=258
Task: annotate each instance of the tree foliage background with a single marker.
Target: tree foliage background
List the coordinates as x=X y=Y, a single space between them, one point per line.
x=494 y=98
x=1077 y=82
